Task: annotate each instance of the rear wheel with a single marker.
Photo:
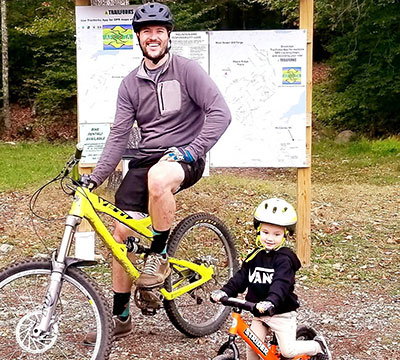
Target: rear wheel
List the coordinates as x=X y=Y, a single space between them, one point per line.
x=80 y=309
x=304 y=332
x=203 y=239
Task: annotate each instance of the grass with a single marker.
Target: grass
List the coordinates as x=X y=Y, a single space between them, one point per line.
x=28 y=164
x=352 y=260
x=362 y=161
x=355 y=218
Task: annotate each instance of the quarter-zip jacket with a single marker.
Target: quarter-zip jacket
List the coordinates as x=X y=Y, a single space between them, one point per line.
x=182 y=108
x=267 y=276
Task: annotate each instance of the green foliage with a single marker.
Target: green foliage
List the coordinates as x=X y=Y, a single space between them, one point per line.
x=42 y=55
x=194 y=15
x=365 y=59
x=362 y=38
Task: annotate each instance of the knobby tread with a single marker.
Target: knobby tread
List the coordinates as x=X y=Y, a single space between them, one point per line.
x=224 y=357
x=82 y=278
x=174 y=239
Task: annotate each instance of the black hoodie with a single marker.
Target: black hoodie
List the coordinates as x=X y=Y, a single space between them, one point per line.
x=268 y=276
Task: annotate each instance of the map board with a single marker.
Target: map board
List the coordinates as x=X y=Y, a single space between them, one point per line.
x=262 y=75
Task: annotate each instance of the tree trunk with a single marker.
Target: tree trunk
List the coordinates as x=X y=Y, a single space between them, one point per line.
x=4 y=64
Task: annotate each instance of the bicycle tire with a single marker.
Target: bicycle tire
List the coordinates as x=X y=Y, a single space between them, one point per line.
x=81 y=308
x=204 y=239
x=305 y=332
x=224 y=357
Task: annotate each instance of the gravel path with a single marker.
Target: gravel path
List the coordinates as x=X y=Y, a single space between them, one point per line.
x=360 y=322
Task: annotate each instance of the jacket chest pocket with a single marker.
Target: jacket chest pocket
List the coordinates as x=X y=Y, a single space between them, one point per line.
x=169 y=96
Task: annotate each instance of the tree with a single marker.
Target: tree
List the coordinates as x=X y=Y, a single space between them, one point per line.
x=4 y=63
x=365 y=56
x=361 y=40
x=43 y=55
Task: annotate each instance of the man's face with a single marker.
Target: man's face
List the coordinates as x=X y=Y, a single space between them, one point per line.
x=153 y=40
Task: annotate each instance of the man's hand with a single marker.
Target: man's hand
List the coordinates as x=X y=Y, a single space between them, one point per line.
x=177 y=154
x=266 y=307
x=216 y=295
x=86 y=181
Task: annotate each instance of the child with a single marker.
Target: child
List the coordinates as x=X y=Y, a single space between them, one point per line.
x=268 y=274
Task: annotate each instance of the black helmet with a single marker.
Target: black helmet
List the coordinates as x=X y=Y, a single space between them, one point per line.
x=152 y=13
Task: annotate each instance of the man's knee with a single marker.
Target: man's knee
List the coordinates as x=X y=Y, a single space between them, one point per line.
x=164 y=177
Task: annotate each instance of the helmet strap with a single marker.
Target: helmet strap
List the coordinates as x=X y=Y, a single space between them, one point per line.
x=260 y=244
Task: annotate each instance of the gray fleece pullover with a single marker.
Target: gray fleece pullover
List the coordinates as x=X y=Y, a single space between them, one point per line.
x=182 y=108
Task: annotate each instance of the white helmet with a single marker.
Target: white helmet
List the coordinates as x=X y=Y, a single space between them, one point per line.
x=275 y=211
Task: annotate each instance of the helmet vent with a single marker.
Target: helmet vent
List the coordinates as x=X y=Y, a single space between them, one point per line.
x=284 y=209
x=274 y=210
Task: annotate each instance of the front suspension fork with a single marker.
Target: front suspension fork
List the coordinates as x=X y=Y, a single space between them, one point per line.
x=58 y=268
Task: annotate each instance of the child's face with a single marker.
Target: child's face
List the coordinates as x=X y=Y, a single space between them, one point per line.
x=271 y=235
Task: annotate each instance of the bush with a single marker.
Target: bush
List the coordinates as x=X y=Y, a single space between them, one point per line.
x=43 y=55
x=365 y=86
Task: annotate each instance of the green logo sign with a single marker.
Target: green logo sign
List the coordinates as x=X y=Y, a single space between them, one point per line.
x=117 y=37
x=291 y=75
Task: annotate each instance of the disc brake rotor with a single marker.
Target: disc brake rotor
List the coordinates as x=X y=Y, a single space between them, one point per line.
x=27 y=340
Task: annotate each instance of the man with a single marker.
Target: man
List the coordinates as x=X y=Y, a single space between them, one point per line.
x=181 y=114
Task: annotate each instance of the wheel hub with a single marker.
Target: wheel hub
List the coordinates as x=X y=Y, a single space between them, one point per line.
x=28 y=337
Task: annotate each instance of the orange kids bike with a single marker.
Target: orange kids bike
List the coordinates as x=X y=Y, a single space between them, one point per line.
x=230 y=351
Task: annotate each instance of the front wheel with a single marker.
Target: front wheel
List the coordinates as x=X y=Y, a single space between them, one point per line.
x=224 y=357
x=202 y=239
x=80 y=309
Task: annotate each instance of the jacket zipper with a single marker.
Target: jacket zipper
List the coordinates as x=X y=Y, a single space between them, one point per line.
x=161 y=97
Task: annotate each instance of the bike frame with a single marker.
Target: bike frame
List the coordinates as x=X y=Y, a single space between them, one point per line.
x=265 y=351
x=86 y=204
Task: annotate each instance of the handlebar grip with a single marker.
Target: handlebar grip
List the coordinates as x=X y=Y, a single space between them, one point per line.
x=239 y=303
x=78 y=151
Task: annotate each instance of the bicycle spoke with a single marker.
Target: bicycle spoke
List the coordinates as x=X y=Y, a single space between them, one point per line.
x=76 y=313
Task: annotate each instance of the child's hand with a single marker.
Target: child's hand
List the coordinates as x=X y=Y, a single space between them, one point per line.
x=266 y=307
x=216 y=295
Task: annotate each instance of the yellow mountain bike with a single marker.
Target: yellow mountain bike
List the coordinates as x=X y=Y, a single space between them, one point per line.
x=47 y=306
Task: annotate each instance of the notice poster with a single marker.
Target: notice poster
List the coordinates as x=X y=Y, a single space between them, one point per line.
x=107 y=50
x=94 y=137
x=262 y=75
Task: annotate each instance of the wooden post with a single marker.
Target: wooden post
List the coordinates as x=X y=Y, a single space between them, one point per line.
x=84 y=226
x=303 y=243
x=82 y=2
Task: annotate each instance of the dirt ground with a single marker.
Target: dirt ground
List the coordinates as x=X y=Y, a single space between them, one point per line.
x=360 y=318
x=356 y=305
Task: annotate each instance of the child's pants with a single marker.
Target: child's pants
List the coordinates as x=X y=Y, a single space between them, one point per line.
x=284 y=326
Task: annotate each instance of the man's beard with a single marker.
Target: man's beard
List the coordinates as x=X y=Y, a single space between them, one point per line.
x=155 y=59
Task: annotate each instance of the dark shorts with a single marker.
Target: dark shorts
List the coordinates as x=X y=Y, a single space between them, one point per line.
x=133 y=193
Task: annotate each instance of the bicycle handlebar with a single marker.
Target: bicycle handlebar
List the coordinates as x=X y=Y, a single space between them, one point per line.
x=78 y=151
x=239 y=303
x=72 y=164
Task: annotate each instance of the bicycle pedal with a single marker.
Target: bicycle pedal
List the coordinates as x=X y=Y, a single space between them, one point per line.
x=149 y=312
x=148 y=301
